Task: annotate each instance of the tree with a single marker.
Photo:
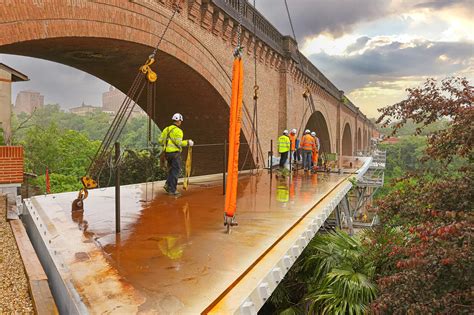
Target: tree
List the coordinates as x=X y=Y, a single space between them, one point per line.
x=65 y=143
x=423 y=250
x=451 y=99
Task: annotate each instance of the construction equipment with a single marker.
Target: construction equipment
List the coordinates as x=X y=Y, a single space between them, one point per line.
x=187 y=172
x=145 y=77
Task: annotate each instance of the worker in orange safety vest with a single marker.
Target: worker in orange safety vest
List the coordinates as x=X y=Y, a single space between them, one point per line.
x=315 y=151
x=307 y=144
x=294 y=146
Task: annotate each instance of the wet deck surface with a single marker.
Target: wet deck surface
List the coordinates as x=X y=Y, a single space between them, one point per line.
x=173 y=255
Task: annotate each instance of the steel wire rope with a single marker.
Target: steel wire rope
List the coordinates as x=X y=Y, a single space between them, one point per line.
x=124 y=108
x=298 y=54
x=254 y=139
x=102 y=146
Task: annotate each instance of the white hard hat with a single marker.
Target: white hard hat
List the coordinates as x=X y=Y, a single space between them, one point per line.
x=293 y=130
x=285 y=132
x=313 y=134
x=177 y=117
x=307 y=131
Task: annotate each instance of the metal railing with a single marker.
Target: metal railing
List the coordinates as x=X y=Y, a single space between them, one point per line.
x=273 y=38
x=264 y=29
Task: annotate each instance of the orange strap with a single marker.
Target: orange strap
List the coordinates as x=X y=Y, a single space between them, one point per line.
x=234 y=137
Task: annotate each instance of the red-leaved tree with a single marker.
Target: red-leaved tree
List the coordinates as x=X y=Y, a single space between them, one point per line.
x=452 y=99
x=424 y=248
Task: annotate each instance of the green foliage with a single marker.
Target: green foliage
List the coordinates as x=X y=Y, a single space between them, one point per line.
x=62 y=151
x=58 y=183
x=65 y=143
x=333 y=276
x=2 y=141
x=423 y=251
x=410 y=128
x=136 y=166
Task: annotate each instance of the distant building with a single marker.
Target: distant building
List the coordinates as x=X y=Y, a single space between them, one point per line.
x=28 y=101
x=84 y=109
x=7 y=76
x=113 y=99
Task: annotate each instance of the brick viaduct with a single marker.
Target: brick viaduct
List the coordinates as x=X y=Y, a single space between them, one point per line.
x=111 y=38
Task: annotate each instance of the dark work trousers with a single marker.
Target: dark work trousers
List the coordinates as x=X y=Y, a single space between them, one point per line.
x=297 y=155
x=174 y=167
x=307 y=158
x=283 y=159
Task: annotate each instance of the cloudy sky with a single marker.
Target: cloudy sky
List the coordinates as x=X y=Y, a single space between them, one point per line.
x=371 y=49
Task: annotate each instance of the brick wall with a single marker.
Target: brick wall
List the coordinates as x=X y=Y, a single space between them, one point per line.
x=194 y=68
x=11 y=165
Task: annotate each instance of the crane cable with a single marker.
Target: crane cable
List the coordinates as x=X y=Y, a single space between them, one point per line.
x=123 y=114
x=126 y=108
x=307 y=94
x=254 y=142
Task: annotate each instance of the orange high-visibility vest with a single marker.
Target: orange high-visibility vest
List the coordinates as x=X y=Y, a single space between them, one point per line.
x=293 y=141
x=307 y=143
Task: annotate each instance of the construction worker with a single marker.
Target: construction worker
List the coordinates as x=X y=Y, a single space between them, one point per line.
x=315 y=151
x=293 y=143
x=307 y=145
x=172 y=141
x=283 y=148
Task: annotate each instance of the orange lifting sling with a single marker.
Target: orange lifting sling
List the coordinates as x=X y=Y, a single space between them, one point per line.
x=234 y=137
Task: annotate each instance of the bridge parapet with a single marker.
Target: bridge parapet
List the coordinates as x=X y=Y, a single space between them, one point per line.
x=253 y=20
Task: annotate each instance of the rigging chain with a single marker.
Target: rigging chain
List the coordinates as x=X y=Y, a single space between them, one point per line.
x=254 y=142
x=146 y=68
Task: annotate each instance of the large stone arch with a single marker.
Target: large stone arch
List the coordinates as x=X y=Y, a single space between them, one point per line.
x=318 y=123
x=110 y=42
x=347 y=149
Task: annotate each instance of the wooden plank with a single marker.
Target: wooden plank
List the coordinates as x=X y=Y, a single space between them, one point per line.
x=43 y=301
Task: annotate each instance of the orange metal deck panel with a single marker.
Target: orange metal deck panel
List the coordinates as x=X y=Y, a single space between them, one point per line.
x=173 y=255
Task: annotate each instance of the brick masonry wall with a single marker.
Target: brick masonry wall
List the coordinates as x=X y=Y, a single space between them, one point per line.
x=11 y=165
x=110 y=38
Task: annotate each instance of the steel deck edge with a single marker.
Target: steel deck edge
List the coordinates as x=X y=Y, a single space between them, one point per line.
x=247 y=298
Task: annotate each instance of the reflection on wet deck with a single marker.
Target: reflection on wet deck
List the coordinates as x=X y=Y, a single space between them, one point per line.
x=173 y=255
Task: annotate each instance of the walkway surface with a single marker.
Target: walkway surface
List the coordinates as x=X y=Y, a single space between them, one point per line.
x=173 y=255
x=14 y=295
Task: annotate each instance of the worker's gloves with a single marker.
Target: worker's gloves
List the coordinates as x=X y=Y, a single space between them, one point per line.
x=190 y=143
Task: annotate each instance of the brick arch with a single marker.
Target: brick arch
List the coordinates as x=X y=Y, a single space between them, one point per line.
x=318 y=123
x=347 y=147
x=323 y=107
x=110 y=42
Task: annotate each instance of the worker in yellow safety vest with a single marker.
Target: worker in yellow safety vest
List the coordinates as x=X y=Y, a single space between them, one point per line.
x=307 y=144
x=172 y=141
x=283 y=148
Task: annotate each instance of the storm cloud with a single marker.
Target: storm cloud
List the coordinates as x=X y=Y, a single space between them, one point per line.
x=323 y=16
x=441 y=4
x=394 y=60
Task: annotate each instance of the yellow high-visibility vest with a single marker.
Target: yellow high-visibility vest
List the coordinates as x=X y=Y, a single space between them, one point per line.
x=175 y=141
x=284 y=144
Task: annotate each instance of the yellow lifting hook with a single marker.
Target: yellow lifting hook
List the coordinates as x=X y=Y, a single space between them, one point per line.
x=146 y=69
